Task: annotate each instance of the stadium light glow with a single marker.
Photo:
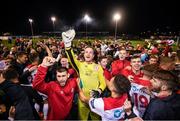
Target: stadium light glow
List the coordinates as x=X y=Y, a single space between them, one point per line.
x=53 y=19
x=117 y=17
x=30 y=20
x=87 y=18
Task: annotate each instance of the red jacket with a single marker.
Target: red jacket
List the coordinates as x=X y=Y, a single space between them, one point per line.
x=72 y=73
x=107 y=74
x=118 y=66
x=59 y=98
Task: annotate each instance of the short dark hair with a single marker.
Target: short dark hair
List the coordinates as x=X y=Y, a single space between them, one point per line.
x=122 y=49
x=20 y=54
x=166 y=76
x=33 y=57
x=154 y=56
x=135 y=56
x=64 y=56
x=61 y=69
x=102 y=57
x=10 y=73
x=122 y=84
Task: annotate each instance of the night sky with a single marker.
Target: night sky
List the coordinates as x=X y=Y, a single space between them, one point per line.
x=137 y=15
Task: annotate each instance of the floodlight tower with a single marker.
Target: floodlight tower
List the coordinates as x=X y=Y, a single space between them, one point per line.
x=31 y=22
x=87 y=20
x=116 y=18
x=53 y=19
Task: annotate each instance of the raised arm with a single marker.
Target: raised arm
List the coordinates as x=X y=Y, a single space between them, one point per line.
x=67 y=37
x=38 y=82
x=72 y=59
x=47 y=49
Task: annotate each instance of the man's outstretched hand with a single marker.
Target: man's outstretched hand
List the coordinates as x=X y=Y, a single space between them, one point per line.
x=48 y=61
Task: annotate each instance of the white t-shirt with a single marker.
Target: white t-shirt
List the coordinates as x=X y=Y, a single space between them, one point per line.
x=139 y=97
x=110 y=109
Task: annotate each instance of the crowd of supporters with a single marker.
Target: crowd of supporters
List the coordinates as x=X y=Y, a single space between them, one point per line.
x=58 y=80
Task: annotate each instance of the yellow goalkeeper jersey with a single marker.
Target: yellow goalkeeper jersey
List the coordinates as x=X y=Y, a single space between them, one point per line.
x=91 y=75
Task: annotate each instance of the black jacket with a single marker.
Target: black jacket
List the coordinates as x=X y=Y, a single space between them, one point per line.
x=34 y=97
x=18 y=67
x=19 y=99
x=167 y=108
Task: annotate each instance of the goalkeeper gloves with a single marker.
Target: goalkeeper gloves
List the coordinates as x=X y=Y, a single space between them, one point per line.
x=67 y=37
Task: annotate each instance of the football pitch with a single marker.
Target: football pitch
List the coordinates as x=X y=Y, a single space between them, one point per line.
x=77 y=41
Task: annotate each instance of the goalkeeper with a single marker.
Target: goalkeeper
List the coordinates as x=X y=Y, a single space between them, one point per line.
x=91 y=76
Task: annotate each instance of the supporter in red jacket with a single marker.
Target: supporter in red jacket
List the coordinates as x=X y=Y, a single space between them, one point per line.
x=134 y=70
x=103 y=62
x=60 y=93
x=119 y=65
